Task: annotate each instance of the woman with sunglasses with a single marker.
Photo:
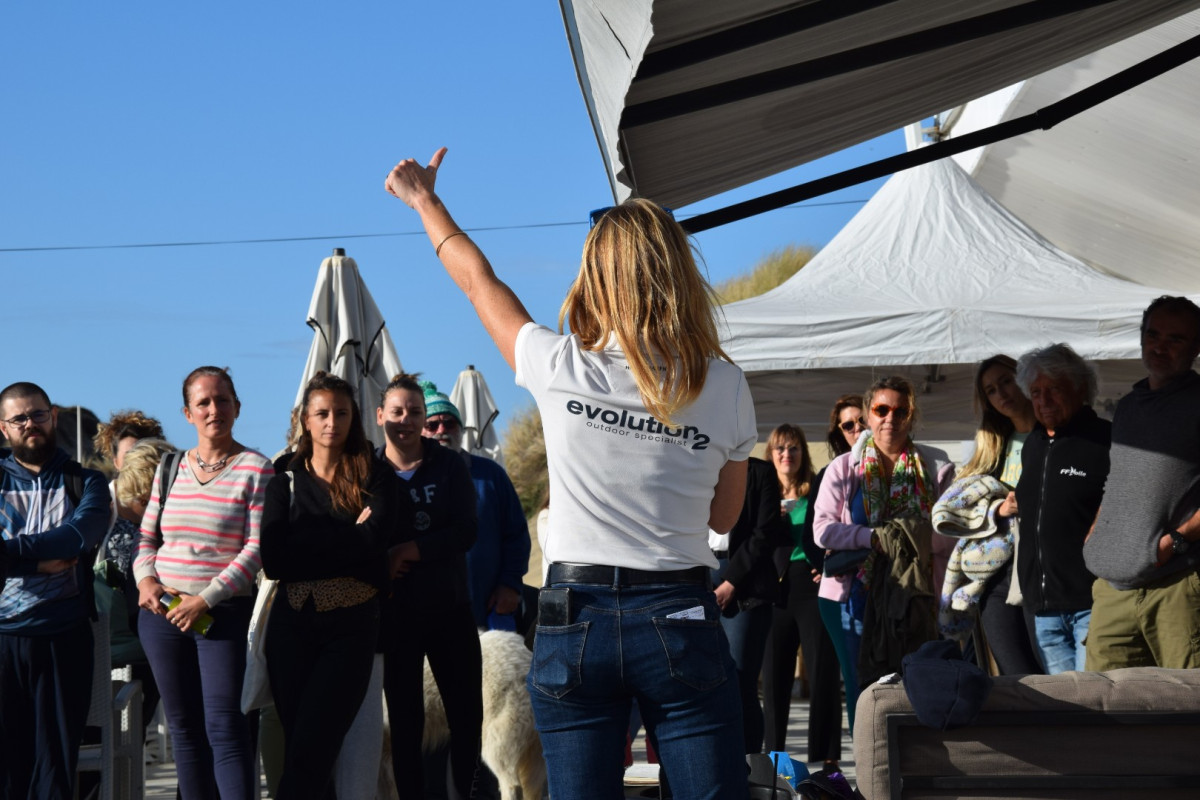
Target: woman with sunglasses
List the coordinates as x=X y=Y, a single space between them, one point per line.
x=1006 y=419
x=797 y=621
x=648 y=427
x=885 y=476
x=428 y=613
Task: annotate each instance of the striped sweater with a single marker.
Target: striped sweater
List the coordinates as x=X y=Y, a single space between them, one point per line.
x=204 y=539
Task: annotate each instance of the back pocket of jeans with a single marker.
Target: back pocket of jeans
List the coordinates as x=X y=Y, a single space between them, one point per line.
x=558 y=658
x=693 y=648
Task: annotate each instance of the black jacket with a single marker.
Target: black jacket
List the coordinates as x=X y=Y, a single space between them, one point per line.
x=812 y=551
x=1061 y=486
x=436 y=509
x=304 y=538
x=758 y=531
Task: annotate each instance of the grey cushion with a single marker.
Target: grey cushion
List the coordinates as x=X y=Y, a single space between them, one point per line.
x=1033 y=747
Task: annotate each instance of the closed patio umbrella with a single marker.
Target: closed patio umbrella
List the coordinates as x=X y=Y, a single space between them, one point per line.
x=350 y=338
x=473 y=400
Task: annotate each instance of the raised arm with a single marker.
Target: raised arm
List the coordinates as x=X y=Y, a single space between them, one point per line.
x=501 y=313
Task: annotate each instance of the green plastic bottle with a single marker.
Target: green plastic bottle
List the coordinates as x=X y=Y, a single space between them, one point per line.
x=201 y=625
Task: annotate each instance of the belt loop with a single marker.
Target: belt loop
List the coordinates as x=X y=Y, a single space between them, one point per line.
x=616 y=577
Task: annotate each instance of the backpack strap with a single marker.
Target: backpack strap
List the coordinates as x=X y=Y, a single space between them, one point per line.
x=73 y=481
x=166 y=478
x=73 y=485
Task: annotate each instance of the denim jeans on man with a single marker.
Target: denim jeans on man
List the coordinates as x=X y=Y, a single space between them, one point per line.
x=622 y=643
x=1060 y=639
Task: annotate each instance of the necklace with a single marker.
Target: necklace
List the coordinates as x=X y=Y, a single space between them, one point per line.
x=216 y=466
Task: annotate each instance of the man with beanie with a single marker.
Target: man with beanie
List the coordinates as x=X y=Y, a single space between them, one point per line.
x=499 y=559
x=1145 y=547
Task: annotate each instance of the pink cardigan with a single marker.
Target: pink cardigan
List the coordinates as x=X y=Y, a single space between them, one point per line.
x=834 y=530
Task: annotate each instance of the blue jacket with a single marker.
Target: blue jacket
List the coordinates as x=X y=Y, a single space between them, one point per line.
x=500 y=555
x=38 y=522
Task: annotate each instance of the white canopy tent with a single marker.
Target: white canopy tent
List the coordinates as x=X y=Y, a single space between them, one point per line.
x=931 y=273
x=1119 y=186
x=690 y=98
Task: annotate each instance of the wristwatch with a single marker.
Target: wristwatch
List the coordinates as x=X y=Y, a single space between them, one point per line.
x=1179 y=545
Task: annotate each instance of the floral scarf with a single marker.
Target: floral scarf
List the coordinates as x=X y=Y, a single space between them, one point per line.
x=910 y=490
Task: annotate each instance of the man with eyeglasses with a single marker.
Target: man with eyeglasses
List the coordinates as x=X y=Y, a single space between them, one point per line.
x=53 y=514
x=499 y=559
x=1145 y=548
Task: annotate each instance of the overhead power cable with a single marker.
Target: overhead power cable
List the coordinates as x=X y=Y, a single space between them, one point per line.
x=280 y=239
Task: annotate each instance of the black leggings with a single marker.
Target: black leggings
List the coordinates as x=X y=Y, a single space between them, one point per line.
x=449 y=639
x=799 y=625
x=1008 y=636
x=319 y=663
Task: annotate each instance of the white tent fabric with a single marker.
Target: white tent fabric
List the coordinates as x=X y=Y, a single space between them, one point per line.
x=787 y=83
x=931 y=272
x=350 y=338
x=1118 y=186
x=473 y=400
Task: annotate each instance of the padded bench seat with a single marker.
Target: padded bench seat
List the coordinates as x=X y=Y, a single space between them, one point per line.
x=1128 y=733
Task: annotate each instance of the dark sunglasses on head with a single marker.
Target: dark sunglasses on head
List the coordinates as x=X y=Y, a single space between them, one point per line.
x=883 y=409
x=434 y=425
x=595 y=214
x=852 y=425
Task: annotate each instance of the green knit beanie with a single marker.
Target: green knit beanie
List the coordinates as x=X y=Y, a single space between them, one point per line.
x=438 y=403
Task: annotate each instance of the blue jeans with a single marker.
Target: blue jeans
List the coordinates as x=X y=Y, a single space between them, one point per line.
x=620 y=645
x=1060 y=639
x=200 y=679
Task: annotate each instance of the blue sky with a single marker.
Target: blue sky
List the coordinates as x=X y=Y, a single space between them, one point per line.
x=144 y=122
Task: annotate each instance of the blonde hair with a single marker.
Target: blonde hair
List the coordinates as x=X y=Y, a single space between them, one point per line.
x=994 y=428
x=638 y=283
x=136 y=478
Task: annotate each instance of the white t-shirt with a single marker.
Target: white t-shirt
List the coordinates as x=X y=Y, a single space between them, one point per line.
x=626 y=491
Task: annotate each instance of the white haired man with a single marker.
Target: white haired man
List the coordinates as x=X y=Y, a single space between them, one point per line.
x=1063 y=469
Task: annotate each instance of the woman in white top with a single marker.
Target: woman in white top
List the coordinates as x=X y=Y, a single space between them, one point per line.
x=648 y=427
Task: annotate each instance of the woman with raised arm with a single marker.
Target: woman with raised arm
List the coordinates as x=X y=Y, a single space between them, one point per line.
x=648 y=428
x=324 y=539
x=199 y=543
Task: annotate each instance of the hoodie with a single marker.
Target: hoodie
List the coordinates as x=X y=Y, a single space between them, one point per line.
x=38 y=522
